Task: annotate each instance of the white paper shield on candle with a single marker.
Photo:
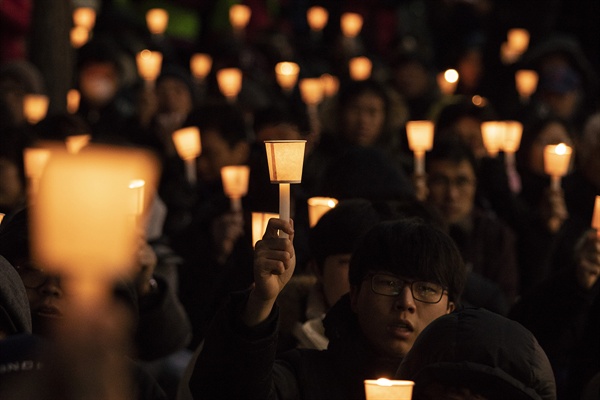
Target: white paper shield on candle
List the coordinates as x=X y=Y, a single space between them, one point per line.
x=360 y=68
x=239 y=16
x=492 y=133
x=189 y=146
x=317 y=207
x=84 y=17
x=78 y=36
x=387 y=389
x=73 y=98
x=286 y=74
x=81 y=223
x=235 y=183
x=285 y=159
x=526 y=81
x=259 y=225
x=200 y=65
x=157 y=20
x=557 y=159
x=317 y=18
x=351 y=24
x=447 y=81
x=330 y=85
x=596 y=216
x=420 y=140
x=149 y=64
x=75 y=143
x=230 y=82
x=35 y=107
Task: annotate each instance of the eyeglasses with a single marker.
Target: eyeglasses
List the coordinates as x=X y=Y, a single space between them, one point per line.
x=460 y=182
x=390 y=285
x=32 y=278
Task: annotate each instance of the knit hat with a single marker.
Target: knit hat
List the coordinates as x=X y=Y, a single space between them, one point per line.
x=15 y=316
x=340 y=228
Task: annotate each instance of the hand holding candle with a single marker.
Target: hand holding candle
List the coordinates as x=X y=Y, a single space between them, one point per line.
x=285 y=159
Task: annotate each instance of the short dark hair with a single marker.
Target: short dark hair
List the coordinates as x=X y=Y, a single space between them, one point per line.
x=412 y=248
x=227 y=120
x=453 y=149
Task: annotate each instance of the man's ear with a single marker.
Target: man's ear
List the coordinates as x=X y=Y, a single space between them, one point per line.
x=354 y=292
x=451 y=307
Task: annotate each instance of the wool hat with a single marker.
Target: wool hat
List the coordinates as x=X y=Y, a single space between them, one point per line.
x=15 y=316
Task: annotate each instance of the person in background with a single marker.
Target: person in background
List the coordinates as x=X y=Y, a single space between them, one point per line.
x=403 y=275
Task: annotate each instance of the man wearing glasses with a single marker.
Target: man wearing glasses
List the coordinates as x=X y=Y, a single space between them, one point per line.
x=403 y=275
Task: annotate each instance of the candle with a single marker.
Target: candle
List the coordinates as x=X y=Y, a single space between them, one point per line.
x=518 y=40
x=78 y=36
x=239 y=16
x=386 y=389
x=75 y=143
x=557 y=159
x=2 y=215
x=149 y=65
x=259 y=225
x=360 y=68
x=311 y=90
x=286 y=74
x=35 y=107
x=493 y=133
x=513 y=130
x=188 y=145
x=351 y=24
x=420 y=140
x=157 y=20
x=596 y=216
x=84 y=17
x=447 y=81
x=285 y=159
x=526 y=81
x=200 y=65
x=235 y=183
x=330 y=85
x=230 y=82
x=318 y=206
x=317 y=17
x=137 y=196
x=73 y=98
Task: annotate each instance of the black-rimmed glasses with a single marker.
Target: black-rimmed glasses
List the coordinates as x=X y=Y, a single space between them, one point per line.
x=391 y=285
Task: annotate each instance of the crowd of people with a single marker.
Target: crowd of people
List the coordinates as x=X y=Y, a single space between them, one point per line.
x=476 y=278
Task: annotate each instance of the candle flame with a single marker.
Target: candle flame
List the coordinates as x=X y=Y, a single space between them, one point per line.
x=451 y=75
x=561 y=149
x=384 y=382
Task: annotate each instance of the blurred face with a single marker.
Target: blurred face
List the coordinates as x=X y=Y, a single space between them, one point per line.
x=216 y=153
x=469 y=130
x=98 y=83
x=12 y=191
x=411 y=79
x=364 y=119
x=173 y=96
x=335 y=277
x=452 y=189
x=553 y=133
x=391 y=324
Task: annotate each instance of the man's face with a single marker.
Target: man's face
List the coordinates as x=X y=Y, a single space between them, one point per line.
x=364 y=119
x=335 y=277
x=391 y=324
x=452 y=188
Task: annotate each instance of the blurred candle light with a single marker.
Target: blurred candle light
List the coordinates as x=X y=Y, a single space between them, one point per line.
x=317 y=18
x=188 y=145
x=259 y=225
x=235 y=184
x=73 y=99
x=526 y=81
x=360 y=68
x=311 y=91
x=2 y=215
x=286 y=74
x=330 y=85
x=285 y=159
x=239 y=16
x=34 y=160
x=230 y=82
x=318 y=206
x=447 y=81
x=596 y=216
x=386 y=389
x=493 y=134
x=518 y=40
x=420 y=140
x=137 y=196
x=149 y=64
x=79 y=36
x=35 y=107
x=351 y=24
x=75 y=143
x=200 y=65
x=513 y=130
x=557 y=159
x=84 y=17
x=157 y=20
